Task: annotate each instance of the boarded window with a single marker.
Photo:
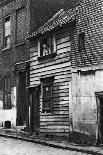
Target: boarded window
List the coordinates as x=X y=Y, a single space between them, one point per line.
x=7 y=26
x=20 y=25
x=7 y=93
x=47 y=85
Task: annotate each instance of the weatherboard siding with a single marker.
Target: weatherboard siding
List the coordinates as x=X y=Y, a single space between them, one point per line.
x=60 y=68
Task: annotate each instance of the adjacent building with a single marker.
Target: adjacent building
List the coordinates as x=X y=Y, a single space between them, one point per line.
x=14 y=54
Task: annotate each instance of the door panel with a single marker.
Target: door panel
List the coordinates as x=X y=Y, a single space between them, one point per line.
x=35 y=118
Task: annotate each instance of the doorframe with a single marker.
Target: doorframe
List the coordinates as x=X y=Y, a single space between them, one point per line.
x=98 y=96
x=31 y=90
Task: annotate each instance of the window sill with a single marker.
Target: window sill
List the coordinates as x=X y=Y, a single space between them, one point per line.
x=6 y=48
x=52 y=55
x=46 y=114
x=7 y=108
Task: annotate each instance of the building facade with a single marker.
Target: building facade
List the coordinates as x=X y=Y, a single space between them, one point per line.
x=87 y=70
x=13 y=51
x=50 y=74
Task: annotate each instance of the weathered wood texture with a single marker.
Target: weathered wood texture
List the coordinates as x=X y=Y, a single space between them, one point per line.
x=60 y=68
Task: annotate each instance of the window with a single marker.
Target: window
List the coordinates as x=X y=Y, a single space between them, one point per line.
x=47 y=85
x=81 y=41
x=7 y=25
x=20 y=25
x=46 y=46
x=7 y=93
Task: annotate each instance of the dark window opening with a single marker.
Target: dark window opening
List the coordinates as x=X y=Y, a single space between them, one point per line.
x=7 y=93
x=81 y=41
x=47 y=86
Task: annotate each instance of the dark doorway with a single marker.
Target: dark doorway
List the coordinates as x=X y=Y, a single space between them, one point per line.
x=100 y=119
x=35 y=117
x=21 y=99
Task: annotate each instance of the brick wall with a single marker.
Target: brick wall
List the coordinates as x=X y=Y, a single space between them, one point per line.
x=89 y=20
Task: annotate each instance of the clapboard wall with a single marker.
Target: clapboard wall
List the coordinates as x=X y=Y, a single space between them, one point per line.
x=60 y=68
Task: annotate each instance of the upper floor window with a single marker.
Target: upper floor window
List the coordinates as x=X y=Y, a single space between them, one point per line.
x=20 y=25
x=7 y=26
x=82 y=41
x=47 y=46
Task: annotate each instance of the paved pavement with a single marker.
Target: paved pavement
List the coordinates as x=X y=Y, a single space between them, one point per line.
x=53 y=143
x=10 y=146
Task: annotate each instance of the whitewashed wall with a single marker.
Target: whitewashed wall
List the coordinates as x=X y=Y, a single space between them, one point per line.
x=84 y=107
x=9 y=114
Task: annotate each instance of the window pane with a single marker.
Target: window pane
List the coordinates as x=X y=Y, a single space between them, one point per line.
x=7 y=41
x=47 y=104
x=5 y=100
x=7 y=26
x=9 y=100
x=7 y=83
x=47 y=92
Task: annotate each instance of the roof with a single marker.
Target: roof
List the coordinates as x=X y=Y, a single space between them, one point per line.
x=59 y=19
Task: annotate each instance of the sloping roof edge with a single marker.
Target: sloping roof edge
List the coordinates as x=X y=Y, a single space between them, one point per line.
x=59 y=19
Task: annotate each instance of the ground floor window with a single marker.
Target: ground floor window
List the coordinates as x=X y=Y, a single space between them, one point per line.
x=7 y=93
x=47 y=91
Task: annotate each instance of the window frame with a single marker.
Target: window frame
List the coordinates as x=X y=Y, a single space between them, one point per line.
x=51 y=54
x=16 y=39
x=47 y=82
x=81 y=43
x=4 y=37
x=6 y=93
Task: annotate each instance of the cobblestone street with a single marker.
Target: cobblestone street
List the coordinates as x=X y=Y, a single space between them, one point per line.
x=10 y=146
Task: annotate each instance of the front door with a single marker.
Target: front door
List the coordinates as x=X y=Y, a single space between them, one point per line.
x=100 y=119
x=34 y=122
x=21 y=99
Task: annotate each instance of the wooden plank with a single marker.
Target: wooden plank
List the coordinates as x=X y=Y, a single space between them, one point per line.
x=63 y=40
x=61 y=112
x=58 y=71
x=58 y=58
x=45 y=68
x=61 y=98
x=48 y=130
x=51 y=120
x=66 y=49
x=43 y=124
x=64 y=45
x=50 y=63
x=60 y=79
x=56 y=89
x=60 y=94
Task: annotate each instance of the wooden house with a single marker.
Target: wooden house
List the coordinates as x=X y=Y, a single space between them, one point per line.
x=50 y=74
